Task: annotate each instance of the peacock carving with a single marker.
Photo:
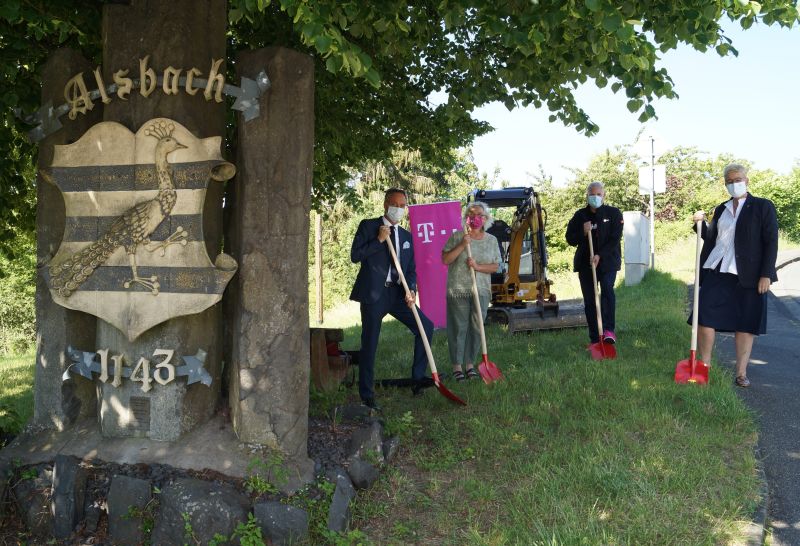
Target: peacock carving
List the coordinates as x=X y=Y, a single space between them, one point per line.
x=131 y=229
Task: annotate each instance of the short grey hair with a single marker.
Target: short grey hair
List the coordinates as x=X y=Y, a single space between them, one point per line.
x=484 y=211
x=595 y=184
x=733 y=168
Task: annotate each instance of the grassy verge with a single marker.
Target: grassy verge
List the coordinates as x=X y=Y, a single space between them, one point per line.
x=567 y=450
x=16 y=392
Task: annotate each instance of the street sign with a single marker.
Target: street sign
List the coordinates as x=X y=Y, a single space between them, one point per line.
x=654 y=177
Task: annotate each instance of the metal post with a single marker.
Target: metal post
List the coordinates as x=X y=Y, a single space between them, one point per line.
x=652 y=203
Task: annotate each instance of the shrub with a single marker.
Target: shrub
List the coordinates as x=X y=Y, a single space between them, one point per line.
x=17 y=290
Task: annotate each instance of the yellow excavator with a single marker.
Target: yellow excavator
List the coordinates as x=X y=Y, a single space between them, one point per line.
x=521 y=295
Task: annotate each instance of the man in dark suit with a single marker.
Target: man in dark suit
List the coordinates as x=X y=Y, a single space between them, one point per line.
x=740 y=247
x=380 y=293
x=604 y=222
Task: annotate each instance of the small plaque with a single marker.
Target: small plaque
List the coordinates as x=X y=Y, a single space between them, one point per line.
x=140 y=408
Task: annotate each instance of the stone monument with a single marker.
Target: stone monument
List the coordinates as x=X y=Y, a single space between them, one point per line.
x=135 y=329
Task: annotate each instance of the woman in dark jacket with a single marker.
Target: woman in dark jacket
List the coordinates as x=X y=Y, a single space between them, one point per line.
x=738 y=265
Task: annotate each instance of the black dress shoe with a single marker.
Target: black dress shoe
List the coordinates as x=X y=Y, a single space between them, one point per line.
x=418 y=389
x=371 y=403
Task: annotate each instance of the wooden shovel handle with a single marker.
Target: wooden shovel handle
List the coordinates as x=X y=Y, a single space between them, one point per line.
x=696 y=302
x=594 y=285
x=477 y=301
x=424 y=336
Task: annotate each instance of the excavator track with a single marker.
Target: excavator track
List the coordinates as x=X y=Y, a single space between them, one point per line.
x=533 y=316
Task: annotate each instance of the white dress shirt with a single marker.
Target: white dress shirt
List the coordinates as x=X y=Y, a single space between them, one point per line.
x=396 y=246
x=724 y=250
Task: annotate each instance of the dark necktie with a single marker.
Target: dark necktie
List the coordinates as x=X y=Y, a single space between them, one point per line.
x=392 y=271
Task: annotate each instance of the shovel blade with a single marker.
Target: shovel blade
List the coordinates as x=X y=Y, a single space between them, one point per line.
x=691 y=371
x=489 y=371
x=445 y=391
x=602 y=351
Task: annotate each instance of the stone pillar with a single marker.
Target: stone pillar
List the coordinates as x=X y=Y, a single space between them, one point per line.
x=268 y=236
x=57 y=403
x=185 y=34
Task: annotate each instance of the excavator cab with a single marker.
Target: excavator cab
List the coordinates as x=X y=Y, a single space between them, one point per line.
x=521 y=295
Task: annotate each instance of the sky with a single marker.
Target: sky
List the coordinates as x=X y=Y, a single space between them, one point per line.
x=746 y=105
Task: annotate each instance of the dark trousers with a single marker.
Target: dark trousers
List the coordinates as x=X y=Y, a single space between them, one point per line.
x=608 y=301
x=392 y=303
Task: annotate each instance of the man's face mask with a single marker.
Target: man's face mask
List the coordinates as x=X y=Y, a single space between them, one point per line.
x=737 y=189
x=395 y=214
x=595 y=201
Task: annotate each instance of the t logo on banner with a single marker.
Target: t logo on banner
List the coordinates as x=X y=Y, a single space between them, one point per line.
x=425 y=230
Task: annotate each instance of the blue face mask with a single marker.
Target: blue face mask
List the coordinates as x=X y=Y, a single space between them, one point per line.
x=595 y=201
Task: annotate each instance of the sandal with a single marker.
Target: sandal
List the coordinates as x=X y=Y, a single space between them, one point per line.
x=742 y=382
x=473 y=374
x=458 y=375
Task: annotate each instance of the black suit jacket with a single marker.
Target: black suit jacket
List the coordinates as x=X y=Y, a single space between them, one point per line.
x=755 y=241
x=375 y=259
x=608 y=234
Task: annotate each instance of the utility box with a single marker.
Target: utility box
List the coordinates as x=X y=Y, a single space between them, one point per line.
x=637 y=246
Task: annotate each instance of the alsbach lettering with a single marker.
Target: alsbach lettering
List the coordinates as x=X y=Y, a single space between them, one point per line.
x=170 y=82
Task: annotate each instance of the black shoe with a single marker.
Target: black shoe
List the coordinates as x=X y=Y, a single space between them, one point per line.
x=418 y=389
x=371 y=403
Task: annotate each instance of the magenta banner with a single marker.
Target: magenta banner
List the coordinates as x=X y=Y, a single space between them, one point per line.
x=431 y=226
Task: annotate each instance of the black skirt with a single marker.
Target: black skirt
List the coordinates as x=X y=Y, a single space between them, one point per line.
x=727 y=306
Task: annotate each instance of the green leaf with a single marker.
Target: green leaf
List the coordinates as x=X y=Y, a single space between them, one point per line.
x=612 y=22
x=9 y=10
x=633 y=105
x=402 y=25
x=333 y=64
x=625 y=32
x=593 y=5
x=323 y=43
x=373 y=78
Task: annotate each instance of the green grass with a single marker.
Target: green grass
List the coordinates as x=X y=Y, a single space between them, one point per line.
x=568 y=450
x=16 y=392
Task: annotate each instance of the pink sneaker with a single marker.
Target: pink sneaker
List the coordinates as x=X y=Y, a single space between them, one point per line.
x=609 y=337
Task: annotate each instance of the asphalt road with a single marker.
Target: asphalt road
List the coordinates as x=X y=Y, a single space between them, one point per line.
x=774 y=372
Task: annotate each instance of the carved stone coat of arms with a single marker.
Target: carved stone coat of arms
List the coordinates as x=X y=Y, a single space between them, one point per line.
x=133 y=252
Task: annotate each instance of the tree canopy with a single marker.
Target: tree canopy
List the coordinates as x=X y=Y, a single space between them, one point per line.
x=380 y=62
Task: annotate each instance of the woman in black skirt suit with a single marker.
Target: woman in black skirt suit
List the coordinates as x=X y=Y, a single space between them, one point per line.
x=738 y=265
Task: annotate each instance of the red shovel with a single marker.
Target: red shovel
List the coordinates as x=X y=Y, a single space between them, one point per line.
x=600 y=350
x=442 y=389
x=693 y=370
x=488 y=369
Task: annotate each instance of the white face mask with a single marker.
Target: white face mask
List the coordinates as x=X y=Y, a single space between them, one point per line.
x=737 y=189
x=595 y=201
x=395 y=214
